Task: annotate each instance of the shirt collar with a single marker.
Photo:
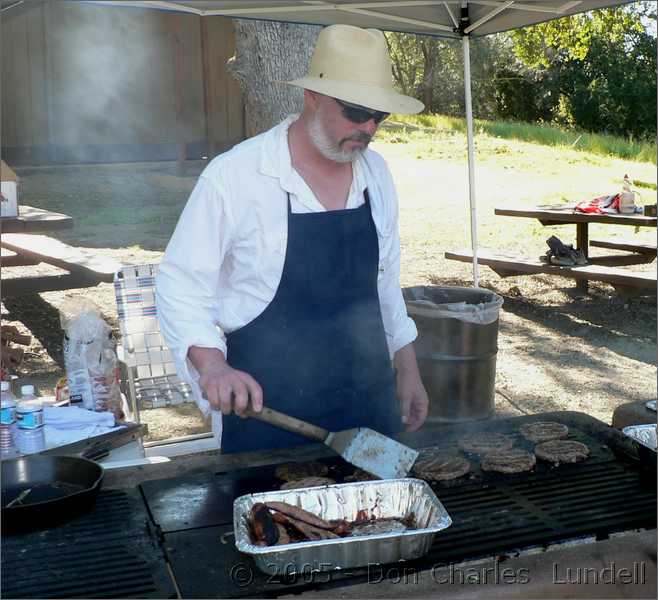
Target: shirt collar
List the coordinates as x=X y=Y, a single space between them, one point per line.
x=276 y=162
x=275 y=154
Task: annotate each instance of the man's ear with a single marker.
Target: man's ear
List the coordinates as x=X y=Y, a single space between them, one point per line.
x=311 y=99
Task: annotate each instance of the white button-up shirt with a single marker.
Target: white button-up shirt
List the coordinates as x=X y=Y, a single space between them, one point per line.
x=224 y=262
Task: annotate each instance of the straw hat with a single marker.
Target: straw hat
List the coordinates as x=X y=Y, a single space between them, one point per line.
x=352 y=64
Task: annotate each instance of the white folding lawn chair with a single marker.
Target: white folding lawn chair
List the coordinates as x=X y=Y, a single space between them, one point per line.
x=150 y=373
x=152 y=378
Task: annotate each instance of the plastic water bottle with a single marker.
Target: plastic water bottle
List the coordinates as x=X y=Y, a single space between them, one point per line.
x=29 y=414
x=7 y=421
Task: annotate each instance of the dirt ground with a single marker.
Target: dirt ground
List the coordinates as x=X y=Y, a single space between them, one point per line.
x=557 y=350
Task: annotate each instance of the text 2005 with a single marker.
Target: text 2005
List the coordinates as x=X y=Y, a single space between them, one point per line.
x=306 y=573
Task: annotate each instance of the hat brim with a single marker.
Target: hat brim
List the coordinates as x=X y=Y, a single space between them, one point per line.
x=370 y=96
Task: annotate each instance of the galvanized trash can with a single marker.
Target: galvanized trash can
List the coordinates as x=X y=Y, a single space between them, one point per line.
x=456 y=349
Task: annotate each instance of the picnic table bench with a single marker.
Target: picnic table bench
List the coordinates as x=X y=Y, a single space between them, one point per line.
x=600 y=268
x=626 y=283
x=627 y=246
x=33 y=219
x=84 y=269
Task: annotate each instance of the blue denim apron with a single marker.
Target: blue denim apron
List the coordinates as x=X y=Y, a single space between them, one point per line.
x=319 y=349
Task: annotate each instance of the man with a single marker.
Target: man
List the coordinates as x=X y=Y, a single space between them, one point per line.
x=280 y=284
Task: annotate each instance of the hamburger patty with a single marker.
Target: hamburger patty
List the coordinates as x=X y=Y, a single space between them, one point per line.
x=483 y=442
x=514 y=460
x=543 y=431
x=306 y=482
x=360 y=475
x=440 y=466
x=562 y=451
x=294 y=470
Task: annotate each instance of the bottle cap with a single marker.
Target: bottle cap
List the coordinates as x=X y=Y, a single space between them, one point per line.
x=27 y=390
x=4 y=386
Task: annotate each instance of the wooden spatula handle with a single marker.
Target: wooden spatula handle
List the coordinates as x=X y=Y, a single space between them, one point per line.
x=283 y=421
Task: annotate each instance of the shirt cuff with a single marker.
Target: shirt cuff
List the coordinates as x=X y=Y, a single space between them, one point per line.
x=188 y=372
x=406 y=334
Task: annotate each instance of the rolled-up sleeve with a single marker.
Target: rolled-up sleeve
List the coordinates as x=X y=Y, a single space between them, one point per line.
x=188 y=278
x=399 y=327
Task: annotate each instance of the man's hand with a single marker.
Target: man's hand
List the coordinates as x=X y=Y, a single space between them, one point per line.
x=225 y=388
x=411 y=393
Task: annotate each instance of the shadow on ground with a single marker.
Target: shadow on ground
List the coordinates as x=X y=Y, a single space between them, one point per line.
x=42 y=319
x=113 y=205
x=625 y=326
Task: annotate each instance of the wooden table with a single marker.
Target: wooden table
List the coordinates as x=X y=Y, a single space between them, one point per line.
x=31 y=220
x=565 y=215
x=22 y=244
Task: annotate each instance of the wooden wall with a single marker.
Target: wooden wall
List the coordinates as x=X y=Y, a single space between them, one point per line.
x=92 y=83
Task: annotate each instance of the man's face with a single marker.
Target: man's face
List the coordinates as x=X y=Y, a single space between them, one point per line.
x=334 y=135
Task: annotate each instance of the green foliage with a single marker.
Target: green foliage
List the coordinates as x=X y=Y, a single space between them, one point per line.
x=599 y=68
x=593 y=72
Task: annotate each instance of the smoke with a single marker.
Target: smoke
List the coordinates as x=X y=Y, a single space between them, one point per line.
x=104 y=76
x=105 y=87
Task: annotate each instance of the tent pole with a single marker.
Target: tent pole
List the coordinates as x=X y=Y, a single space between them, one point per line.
x=471 y=155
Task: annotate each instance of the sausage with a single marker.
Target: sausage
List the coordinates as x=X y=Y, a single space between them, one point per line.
x=284 y=538
x=340 y=527
x=311 y=533
x=300 y=514
x=263 y=524
x=280 y=518
x=299 y=530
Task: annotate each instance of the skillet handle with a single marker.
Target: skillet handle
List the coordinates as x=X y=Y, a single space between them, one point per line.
x=96 y=452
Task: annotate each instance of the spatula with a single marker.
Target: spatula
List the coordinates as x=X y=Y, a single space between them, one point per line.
x=364 y=448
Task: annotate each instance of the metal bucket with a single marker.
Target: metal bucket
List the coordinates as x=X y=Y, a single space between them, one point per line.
x=457 y=359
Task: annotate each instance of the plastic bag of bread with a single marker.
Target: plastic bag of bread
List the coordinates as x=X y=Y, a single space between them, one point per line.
x=90 y=358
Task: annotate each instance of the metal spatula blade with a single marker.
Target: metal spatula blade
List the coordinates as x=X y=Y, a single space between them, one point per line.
x=364 y=448
x=373 y=452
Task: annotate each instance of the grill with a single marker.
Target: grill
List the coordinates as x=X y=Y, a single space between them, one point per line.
x=492 y=514
x=121 y=547
x=594 y=501
x=110 y=552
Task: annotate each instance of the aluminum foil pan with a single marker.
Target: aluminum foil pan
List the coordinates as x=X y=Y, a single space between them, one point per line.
x=643 y=434
x=651 y=405
x=388 y=498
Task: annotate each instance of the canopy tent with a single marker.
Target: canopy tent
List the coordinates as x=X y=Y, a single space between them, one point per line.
x=445 y=18
x=449 y=18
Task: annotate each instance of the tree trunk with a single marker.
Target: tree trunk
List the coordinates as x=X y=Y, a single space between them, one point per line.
x=430 y=57
x=267 y=52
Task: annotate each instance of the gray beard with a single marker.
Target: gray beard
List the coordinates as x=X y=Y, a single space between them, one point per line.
x=326 y=147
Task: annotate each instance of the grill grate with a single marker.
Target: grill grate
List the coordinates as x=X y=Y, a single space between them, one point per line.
x=492 y=514
x=111 y=552
x=487 y=521
x=591 y=500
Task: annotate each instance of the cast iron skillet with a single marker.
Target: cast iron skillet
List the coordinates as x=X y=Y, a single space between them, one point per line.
x=43 y=491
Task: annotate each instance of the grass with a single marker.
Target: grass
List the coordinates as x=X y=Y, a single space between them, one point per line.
x=517 y=165
x=546 y=135
x=125 y=205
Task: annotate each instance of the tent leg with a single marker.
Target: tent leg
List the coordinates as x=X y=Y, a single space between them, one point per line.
x=471 y=155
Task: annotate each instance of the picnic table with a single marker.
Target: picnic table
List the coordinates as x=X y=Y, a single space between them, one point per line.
x=31 y=219
x=600 y=268
x=23 y=244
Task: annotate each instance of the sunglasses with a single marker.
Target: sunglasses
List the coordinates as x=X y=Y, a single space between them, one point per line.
x=359 y=114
